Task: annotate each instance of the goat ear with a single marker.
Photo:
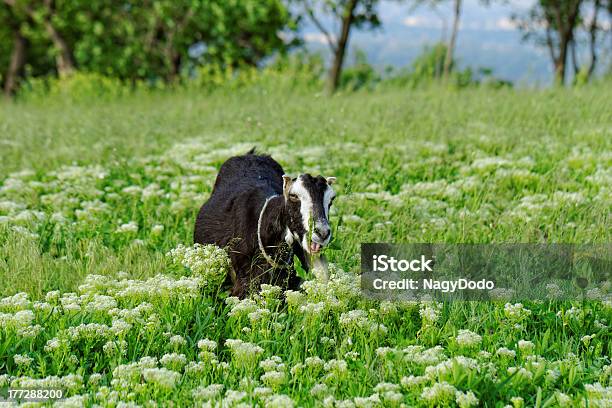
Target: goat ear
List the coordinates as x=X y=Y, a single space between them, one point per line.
x=287 y=183
x=330 y=180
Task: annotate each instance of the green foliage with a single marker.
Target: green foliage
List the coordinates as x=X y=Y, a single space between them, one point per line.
x=365 y=14
x=152 y=41
x=38 y=62
x=78 y=87
x=6 y=41
x=245 y=32
x=295 y=72
x=298 y=70
x=301 y=68
x=429 y=65
x=360 y=74
x=427 y=68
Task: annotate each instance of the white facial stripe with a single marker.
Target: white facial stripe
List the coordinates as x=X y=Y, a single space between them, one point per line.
x=306 y=208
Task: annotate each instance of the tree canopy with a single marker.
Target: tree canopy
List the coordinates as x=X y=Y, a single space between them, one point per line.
x=148 y=39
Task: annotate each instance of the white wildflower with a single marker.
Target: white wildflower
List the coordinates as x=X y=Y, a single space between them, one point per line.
x=279 y=401
x=439 y=394
x=157 y=230
x=526 y=346
x=505 y=352
x=161 y=377
x=173 y=361
x=414 y=382
x=467 y=338
x=244 y=354
x=516 y=312
x=209 y=262
x=177 y=341
x=206 y=344
x=466 y=399
x=128 y=228
x=209 y=392
x=319 y=390
x=274 y=379
x=430 y=312
x=22 y=360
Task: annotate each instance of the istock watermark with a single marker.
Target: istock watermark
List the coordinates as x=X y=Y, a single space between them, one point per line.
x=30 y=395
x=444 y=286
x=383 y=263
x=486 y=271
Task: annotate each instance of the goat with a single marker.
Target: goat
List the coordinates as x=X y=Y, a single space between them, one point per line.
x=263 y=218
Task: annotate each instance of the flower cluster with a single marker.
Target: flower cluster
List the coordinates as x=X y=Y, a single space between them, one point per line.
x=209 y=262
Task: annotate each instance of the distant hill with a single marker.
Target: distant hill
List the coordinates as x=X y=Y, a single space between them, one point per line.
x=487 y=39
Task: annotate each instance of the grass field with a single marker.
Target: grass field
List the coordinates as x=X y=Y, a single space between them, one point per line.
x=93 y=195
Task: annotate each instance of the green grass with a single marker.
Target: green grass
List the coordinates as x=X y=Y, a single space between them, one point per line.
x=412 y=166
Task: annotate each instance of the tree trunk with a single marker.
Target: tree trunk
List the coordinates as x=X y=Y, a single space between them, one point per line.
x=173 y=59
x=172 y=55
x=560 y=63
x=566 y=16
x=64 y=59
x=340 y=50
x=450 y=50
x=593 y=39
x=16 y=64
x=575 y=63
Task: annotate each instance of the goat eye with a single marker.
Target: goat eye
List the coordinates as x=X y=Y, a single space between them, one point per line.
x=294 y=197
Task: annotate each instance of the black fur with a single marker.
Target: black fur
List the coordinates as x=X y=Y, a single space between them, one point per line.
x=229 y=219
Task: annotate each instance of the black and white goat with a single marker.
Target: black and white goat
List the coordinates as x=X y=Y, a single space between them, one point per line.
x=263 y=218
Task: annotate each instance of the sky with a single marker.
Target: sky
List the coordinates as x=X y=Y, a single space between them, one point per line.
x=487 y=38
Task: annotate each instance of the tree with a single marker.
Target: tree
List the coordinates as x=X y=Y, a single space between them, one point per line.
x=15 y=44
x=44 y=13
x=450 y=49
x=151 y=40
x=154 y=41
x=346 y=14
x=558 y=21
x=451 y=43
x=245 y=32
x=593 y=28
x=21 y=51
x=17 y=62
x=147 y=41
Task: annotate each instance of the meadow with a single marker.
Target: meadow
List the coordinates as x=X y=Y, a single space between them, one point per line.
x=105 y=297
